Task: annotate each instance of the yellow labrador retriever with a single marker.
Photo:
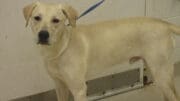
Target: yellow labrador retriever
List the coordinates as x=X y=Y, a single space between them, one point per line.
x=70 y=51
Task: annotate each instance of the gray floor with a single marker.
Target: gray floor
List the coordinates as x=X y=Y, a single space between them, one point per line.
x=148 y=93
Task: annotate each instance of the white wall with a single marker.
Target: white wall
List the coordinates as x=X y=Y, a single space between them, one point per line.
x=21 y=70
x=21 y=67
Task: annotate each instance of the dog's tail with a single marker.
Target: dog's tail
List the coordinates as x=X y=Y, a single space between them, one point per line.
x=175 y=29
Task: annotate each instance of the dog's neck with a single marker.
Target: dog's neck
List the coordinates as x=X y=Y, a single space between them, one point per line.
x=52 y=52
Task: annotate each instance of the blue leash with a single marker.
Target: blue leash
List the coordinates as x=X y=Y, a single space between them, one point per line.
x=90 y=9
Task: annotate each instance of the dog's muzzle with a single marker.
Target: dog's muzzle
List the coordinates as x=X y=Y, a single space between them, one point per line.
x=43 y=37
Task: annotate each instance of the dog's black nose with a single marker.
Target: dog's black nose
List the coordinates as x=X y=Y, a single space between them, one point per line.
x=43 y=37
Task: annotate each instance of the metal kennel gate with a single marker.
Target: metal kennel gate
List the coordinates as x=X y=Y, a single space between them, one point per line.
x=129 y=78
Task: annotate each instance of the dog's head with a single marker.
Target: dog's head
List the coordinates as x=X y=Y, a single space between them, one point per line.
x=48 y=21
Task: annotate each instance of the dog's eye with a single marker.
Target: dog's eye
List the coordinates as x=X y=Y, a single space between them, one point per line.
x=55 y=20
x=37 y=18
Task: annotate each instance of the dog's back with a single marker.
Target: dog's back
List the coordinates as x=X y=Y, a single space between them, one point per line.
x=113 y=42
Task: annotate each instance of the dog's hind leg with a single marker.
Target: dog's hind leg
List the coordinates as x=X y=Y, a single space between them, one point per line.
x=162 y=72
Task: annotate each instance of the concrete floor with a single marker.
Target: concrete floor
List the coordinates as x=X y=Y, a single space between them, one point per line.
x=147 y=93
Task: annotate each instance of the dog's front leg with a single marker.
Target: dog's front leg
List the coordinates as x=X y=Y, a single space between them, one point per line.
x=76 y=82
x=62 y=91
x=78 y=90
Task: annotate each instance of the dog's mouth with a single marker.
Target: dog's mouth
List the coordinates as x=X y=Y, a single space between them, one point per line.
x=43 y=42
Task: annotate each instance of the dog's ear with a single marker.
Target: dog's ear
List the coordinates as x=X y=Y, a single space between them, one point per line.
x=71 y=14
x=27 y=11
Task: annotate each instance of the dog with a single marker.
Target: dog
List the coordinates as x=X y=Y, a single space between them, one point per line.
x=70 y=51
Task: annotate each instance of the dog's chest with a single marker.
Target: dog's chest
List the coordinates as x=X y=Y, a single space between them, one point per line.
x=53 y=69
